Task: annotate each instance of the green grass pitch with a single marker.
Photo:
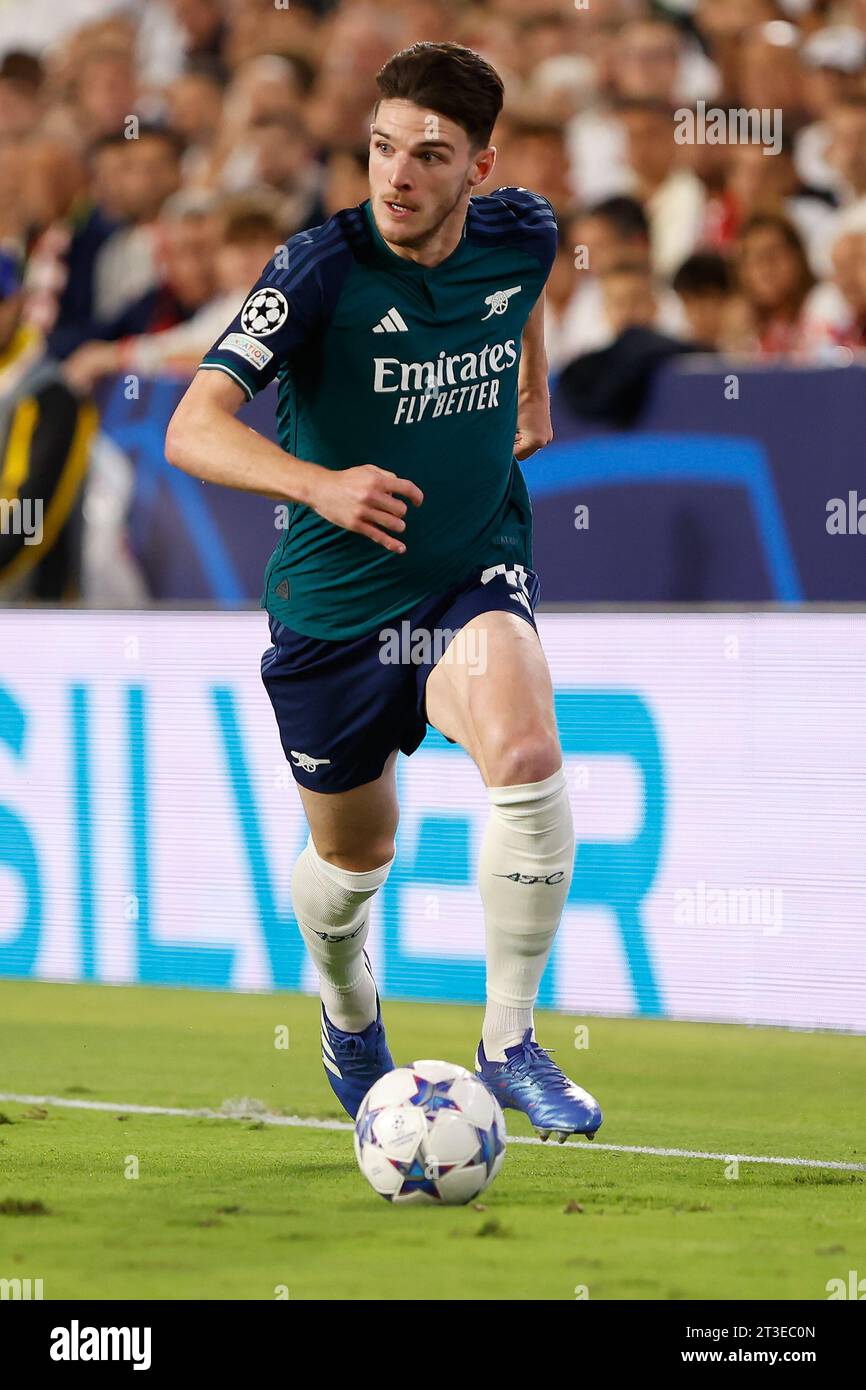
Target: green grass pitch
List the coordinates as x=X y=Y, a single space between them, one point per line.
x=239 y=1209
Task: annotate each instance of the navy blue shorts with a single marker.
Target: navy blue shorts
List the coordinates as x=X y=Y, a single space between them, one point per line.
x=342 y=707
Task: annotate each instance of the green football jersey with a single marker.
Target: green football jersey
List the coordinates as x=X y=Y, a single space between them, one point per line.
x=379 y=360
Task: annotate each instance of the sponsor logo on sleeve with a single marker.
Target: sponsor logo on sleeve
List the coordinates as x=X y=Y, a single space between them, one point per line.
x=251 y=351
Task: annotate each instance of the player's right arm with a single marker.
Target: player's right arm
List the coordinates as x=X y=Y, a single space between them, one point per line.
x=204 y=438
x=287 y=309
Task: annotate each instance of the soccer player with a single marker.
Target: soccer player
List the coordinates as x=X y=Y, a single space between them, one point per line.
x=406 y=336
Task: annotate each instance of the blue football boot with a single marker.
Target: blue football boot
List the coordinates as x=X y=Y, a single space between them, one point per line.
x=353 y=1061
x=529 y=1081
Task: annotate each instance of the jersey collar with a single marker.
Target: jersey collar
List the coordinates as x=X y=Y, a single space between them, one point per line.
x=386 y=256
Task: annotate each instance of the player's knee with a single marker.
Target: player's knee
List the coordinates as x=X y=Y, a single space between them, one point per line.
x=513 y=760
x=363 y=858
x=331 y=893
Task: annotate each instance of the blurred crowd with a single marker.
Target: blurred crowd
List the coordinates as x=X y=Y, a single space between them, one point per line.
x=152 y=155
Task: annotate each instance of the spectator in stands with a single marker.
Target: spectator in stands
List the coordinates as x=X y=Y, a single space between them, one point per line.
x=557 y=89
x=250 y=232
x=45 y=434
x=13 y=167
x=187 y=237
x=853 y=333
x=611 y=384
x=770 y=74
x=203 y=25
x=346 y=180
x=360 y=38
x=722 y=26
x=53 y=200
x=846 y=152
x=834 y=60
x=284 y=160
x=704 y=286
x=265 y=87
x=255 y=28
x=559 y=292
x=643 y=61
x=96 y=265
x=835 y=312
x=107 y=157
x=773 y=281
x=61 y=265
x=21 y=82
x=104 y=90
x=194 y=106
x=535 y=157
x=629 y=296
x=250 y=98
x=758 y=182
x=614 y=231
x=125 y=271
x=673 y=196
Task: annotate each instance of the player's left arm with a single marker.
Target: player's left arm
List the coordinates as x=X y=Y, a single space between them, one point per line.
x=534 y=428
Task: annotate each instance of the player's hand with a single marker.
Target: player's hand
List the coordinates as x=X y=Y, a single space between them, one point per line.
x=366 y=500
x=534 y=429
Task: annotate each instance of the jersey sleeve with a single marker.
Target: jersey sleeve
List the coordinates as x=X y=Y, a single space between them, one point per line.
x=528 y=221
x=284 y=311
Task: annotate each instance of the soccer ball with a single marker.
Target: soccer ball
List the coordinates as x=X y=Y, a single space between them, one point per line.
x=431 y=1132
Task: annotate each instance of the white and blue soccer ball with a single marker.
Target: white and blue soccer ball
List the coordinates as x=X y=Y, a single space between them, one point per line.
x=430 y=1132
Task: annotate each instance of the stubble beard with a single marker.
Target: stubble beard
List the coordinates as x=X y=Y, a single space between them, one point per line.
x=418 y=241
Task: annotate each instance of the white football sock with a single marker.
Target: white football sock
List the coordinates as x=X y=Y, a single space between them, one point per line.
x=529 y=840
x=332 y=909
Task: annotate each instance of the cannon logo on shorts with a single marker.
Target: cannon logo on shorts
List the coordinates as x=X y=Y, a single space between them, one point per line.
x=264 y=312
x=306 y=762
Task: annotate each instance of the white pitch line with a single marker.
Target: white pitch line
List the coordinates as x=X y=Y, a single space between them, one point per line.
x=299 y=1122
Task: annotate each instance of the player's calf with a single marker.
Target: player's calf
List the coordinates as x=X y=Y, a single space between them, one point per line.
x=524 y=874
x=332 y=909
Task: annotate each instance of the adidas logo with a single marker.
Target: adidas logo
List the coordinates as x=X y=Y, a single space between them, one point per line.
x=392 y=322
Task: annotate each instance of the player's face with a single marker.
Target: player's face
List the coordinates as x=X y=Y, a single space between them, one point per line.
x=422 y=171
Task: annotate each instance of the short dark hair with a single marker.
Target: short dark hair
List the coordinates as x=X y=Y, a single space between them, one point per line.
x=450 y=79
x=703 y=274
x=106 y=142
x=536 y=130
x=288 y=121
x=147 y=130
x=624 y=215
x=152 y=130
x=22 y=68
x=206 y=68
